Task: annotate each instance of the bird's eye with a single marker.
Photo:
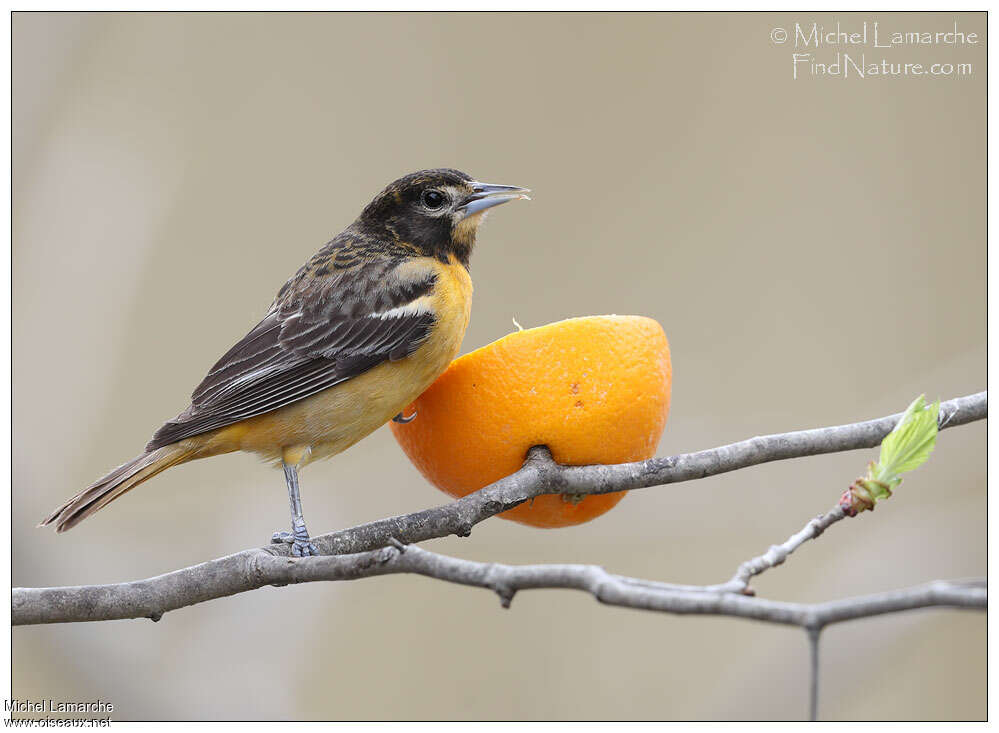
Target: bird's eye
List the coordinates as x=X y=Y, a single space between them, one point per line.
x=433 y=199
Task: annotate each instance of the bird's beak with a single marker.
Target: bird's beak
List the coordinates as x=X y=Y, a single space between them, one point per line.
x=487 y=195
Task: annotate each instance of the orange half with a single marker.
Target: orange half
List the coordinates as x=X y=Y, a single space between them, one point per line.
x=593 y=389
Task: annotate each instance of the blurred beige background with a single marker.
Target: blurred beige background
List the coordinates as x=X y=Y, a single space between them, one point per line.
x=814 y=249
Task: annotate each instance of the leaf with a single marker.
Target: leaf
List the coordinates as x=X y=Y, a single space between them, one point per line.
x=905 y=448
x=910 y=443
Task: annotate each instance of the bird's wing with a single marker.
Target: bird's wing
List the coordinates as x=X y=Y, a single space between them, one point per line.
x=322 y=330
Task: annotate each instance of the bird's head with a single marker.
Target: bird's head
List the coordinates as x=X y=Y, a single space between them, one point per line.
x=438 y=211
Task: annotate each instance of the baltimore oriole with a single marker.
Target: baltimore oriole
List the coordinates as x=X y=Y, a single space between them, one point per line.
x=365 y=326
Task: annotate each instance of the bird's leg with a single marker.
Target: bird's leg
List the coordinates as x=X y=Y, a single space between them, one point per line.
x=403 y=420
x=298 y=538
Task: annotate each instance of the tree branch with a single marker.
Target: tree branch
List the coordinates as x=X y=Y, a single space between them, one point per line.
x=254 y=569
x=352 y=553
x=540 y=475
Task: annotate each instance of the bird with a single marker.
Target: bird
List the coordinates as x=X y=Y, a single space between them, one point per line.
x=351 y=339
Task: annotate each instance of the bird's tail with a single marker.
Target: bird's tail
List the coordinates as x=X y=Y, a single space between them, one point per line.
x=124 y=478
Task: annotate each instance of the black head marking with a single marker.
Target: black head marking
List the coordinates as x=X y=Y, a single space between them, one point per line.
x=420 y=209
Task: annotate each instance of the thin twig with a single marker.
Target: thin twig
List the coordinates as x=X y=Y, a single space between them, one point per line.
x=777 y=554
x=814 y=635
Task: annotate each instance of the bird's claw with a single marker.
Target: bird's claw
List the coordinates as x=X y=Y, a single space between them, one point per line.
x=303 y=549
x=402 y=420
x=301 y=546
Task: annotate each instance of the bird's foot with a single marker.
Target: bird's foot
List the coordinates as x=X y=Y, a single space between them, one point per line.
x=403 y=420
x=301 y=545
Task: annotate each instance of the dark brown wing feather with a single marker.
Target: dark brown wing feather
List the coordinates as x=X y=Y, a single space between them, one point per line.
x=321 y=331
